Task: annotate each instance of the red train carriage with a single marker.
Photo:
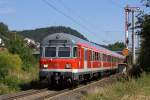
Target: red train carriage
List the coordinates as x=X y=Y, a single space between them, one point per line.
x=69 y=59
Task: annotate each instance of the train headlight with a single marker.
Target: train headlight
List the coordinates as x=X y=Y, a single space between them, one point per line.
x=68 y=66
x=45 y=65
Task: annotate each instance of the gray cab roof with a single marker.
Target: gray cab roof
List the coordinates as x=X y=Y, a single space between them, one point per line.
x=74 y=40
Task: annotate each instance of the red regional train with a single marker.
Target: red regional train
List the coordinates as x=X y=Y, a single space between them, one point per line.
x=66 y=59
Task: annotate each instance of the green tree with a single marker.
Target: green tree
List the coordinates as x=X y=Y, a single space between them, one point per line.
x=146 y=2
x=143 y=26
x=3 y=28
x=118 y=46
x=144 y=58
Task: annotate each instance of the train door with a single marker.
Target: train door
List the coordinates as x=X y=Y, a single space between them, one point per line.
x=85 y=58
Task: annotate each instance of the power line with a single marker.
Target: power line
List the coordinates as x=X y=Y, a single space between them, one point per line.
x=70 y=10
x=68 y=16
x=64 y=14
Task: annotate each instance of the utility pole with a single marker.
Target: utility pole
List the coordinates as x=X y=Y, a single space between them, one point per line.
x=133 y=39
x=131 y=10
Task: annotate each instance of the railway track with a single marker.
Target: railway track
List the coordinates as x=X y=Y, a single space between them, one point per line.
x=69 y=91
x=45 y=94
x=102 y=82
x=18 y=95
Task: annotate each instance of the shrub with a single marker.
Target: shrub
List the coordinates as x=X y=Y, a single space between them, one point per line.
x=9 y=63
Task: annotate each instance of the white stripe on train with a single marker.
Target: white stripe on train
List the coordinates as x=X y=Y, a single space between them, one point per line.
x=77 y=70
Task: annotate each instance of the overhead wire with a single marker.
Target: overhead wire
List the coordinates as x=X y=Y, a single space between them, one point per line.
x=81 y=18
x=70 y=10
x=66 y=15
x=75 y=13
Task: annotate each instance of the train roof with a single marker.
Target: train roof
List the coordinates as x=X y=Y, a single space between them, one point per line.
x=76 y=40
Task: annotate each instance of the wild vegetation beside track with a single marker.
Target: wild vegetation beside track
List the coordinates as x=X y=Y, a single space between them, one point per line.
x=132 y=89
x=17 y=64
x=12 y=75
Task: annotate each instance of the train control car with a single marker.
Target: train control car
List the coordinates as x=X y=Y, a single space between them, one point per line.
x=66 y=59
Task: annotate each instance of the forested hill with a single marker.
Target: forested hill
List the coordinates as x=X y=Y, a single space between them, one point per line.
x=40 y=33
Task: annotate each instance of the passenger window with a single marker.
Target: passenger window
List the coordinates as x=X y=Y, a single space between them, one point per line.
x=99 y=55
x=41 y=51
x=75 y=52
x=85 y=54
x=93 y=55
x=104 y=57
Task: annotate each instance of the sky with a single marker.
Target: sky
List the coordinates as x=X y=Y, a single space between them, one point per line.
x=101 y=21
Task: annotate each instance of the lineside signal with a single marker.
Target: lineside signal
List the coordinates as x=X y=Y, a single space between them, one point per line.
x=125 y=52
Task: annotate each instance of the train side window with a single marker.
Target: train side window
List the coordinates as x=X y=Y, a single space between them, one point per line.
x=104 y=57
x=108 y=58
x=89 y=55
x=115 y=59
x=97 y=56
x=74 y=51
x=79 y=52
x=41 y=51
x=85 y=54
x=93 y=56
x=112 y=59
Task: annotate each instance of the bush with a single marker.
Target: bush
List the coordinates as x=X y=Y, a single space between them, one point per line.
x=135 y=71
x=9 y=63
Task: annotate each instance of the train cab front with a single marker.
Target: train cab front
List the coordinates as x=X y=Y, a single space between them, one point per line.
x=57 y=64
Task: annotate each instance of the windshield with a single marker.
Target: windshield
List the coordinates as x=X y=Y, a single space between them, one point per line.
x=50 y=52
x=64 y=52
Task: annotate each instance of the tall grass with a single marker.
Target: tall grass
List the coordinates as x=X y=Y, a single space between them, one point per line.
x=134 y=89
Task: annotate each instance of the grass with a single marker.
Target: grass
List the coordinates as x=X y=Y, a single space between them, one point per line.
x=134 y=89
